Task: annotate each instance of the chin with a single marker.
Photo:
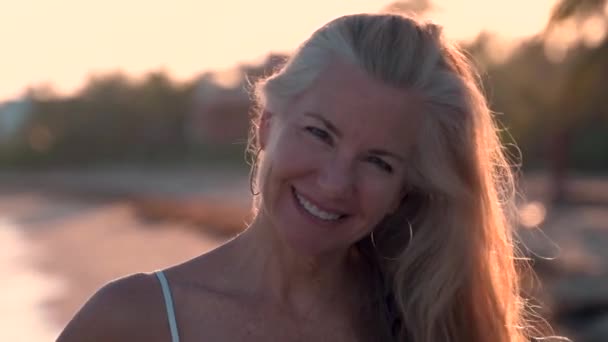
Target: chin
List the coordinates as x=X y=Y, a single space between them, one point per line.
x=307 y=233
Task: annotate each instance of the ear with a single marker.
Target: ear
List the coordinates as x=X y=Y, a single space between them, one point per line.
x=264 y=128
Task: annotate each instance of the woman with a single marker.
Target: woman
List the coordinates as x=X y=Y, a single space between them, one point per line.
x=382 y=205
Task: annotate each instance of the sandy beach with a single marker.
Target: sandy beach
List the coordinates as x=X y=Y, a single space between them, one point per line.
x=58 y=247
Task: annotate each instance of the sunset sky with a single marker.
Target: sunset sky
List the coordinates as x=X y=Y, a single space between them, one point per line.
x=61 y=42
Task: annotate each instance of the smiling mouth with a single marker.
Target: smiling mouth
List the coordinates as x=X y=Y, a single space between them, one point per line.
x=316 y=211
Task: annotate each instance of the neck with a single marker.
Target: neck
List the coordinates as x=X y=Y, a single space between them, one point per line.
x=294 y=280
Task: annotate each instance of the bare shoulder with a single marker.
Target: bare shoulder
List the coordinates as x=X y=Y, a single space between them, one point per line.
x=126 y=309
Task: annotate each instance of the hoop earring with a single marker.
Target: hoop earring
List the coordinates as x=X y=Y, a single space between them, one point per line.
x=253 y=172
x=373 y=241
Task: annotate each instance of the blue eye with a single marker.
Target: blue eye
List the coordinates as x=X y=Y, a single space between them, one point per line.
x=319 y=133
x=384 y=166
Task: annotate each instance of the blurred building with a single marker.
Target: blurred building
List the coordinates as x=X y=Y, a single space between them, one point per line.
x=222 y=103
x=13 y=115
x=219 y=114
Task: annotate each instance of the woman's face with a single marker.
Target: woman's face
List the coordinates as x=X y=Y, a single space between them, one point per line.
x=335 y=161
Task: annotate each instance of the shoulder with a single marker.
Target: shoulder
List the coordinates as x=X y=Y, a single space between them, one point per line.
x=129 y=308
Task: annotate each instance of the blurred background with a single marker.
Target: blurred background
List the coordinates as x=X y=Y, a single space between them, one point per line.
x=123 y=127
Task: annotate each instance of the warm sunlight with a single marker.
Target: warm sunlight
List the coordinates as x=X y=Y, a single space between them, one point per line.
x=156 y=156
x=61 y=42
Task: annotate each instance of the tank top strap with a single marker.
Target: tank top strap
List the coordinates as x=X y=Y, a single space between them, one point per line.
x=168 y=305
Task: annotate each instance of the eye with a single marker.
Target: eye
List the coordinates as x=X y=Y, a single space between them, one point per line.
x=319 y=133
x=384 y=166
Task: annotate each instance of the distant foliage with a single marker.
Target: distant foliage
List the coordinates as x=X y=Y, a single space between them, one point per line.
x=556 y=112
x=114 y=118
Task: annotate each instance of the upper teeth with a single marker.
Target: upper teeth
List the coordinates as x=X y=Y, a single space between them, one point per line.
x=315 y=211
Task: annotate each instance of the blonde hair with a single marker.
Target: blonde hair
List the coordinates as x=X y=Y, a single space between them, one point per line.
x=446 y=260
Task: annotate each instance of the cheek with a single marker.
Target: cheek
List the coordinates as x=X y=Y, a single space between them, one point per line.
x=295 y=153
x=288 y=158
x=374 y=205
x=378 y=198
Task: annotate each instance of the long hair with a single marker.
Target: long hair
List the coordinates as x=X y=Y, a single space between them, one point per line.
x=445 y=260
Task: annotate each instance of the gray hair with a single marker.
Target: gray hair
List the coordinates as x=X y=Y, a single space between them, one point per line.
x=452 y=276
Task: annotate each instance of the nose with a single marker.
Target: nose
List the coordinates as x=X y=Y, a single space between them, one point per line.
x=336 y=179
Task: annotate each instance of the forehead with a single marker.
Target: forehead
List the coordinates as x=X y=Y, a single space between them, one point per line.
x=367 y=107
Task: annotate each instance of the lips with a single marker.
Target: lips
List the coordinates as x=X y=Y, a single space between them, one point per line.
x=316 y=210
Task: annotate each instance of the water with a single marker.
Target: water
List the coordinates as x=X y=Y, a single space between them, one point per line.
x=23 y=290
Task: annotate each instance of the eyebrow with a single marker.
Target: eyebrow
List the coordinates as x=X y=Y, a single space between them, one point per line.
x=387 y=154
x=331 y=127
x=328 y=124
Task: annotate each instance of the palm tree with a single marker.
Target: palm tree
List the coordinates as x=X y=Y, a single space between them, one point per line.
x=577 y=9
x=418 y=7
x=583 y=97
